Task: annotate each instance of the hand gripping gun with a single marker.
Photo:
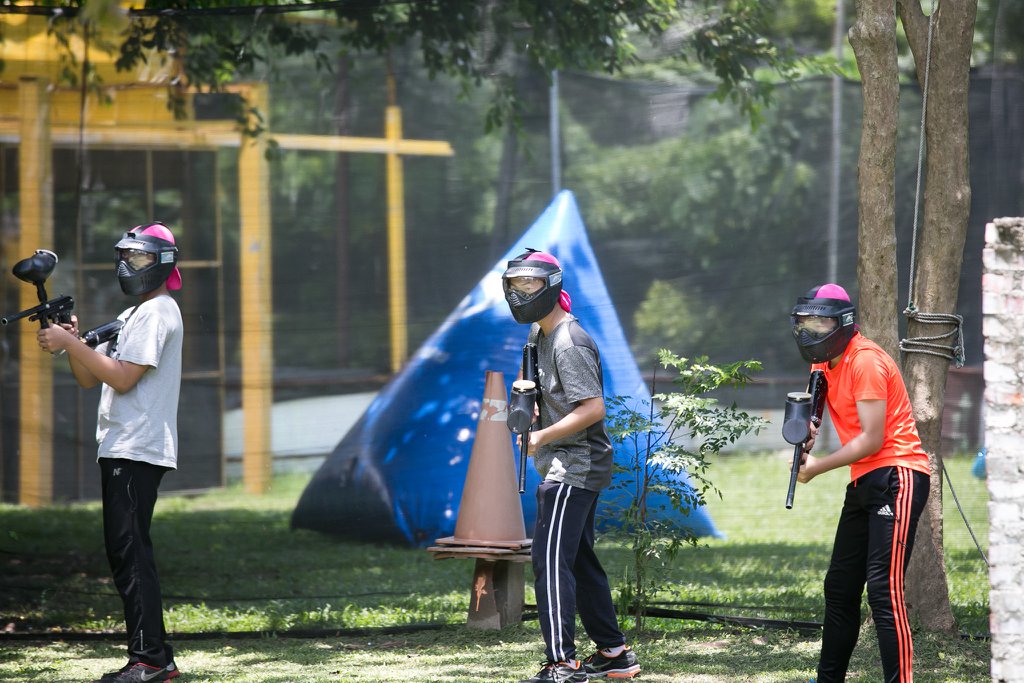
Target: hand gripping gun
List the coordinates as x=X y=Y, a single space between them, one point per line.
x=802 y=408
x=34 y=270
x=521 y=407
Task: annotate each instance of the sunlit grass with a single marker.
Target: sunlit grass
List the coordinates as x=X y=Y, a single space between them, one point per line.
x=230 y=563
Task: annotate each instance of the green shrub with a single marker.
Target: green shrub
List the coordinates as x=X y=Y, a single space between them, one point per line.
x=669 y=439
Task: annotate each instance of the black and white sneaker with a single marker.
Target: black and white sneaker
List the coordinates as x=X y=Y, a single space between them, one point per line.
x=111 y=675
x=141 y=673
x=559 y=672
x=623 y=665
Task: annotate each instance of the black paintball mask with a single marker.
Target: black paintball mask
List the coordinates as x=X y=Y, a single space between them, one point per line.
x=822 y=326
x=531 y=287
x=144 y=262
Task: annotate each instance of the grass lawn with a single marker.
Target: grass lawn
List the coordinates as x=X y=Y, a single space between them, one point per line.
x=230 y=563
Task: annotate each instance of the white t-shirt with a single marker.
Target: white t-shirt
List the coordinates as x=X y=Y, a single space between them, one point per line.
x=142 y=423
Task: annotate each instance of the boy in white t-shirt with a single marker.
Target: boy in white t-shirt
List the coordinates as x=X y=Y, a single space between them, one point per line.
x=137 y=433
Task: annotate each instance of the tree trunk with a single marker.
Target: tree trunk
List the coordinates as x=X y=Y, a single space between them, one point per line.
x=940 y=246
x=939 y=249
x=873 y=37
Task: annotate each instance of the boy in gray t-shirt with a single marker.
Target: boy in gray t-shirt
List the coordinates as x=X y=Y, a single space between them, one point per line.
x=569 y=368
x=137 y=432
x=573 y=453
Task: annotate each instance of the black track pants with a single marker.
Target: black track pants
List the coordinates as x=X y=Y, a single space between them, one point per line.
x=874 y=539
x=129 y=496
x=567 y=573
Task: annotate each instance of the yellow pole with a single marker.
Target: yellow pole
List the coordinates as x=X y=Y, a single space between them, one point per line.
x=35 y=368
x=396 y=242
x=256 y=306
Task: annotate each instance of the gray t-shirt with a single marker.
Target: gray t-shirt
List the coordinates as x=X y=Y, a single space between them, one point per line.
x=569 y=366
x=142 y=423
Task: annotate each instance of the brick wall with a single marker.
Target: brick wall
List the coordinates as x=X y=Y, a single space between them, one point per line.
x=1003 y=327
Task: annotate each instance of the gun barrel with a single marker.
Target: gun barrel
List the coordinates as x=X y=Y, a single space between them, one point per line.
x=44 y=311
x=7 y=319
x=793 y=472
x=524 y=448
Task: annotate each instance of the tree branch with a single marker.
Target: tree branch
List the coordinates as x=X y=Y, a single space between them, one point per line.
x=915 y=25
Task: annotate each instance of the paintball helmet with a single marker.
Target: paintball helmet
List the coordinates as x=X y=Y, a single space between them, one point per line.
x=824 y=322
x=146 y=258
x=533 y=285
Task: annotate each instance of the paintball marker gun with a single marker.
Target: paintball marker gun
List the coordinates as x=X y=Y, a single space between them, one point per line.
x=802 y=408
x=521 y=407
x=103 y=333
x=34 y=270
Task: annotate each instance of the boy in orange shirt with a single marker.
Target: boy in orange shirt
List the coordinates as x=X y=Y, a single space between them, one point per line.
x=870 y=409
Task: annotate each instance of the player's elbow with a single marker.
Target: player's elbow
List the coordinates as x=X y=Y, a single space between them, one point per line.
x=873 y=441
x=124 y=383
x=121 y=387
x=595 y=410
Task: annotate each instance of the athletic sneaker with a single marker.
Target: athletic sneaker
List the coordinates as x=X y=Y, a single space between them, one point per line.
x=559 y=672
x=142 y=673
x=623 y=665
x=110 y=675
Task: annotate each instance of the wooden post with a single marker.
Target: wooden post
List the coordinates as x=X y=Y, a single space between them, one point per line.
x=256 y=305
x=496 y=595
x=35 y=368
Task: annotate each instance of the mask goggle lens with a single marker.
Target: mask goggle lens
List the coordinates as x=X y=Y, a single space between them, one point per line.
x=815 y=325
x=137 y=259
x=526 y=286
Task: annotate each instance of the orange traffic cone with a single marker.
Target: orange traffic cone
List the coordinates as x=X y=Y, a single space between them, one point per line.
x=490 y=525
x=490 y=512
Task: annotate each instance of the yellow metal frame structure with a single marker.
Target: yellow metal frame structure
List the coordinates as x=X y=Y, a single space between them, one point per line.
x=38 y=117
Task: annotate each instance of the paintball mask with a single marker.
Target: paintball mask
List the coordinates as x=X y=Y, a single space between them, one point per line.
x=823 y=323
x=146 y=258
x=532 y=286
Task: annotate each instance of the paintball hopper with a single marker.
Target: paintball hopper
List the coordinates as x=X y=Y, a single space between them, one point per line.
x=523 y=400
x=797 y=417
x=36 y=268
x=520 y=408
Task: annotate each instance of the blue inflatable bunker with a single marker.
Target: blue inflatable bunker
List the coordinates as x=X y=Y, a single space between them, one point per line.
x=397 y=475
